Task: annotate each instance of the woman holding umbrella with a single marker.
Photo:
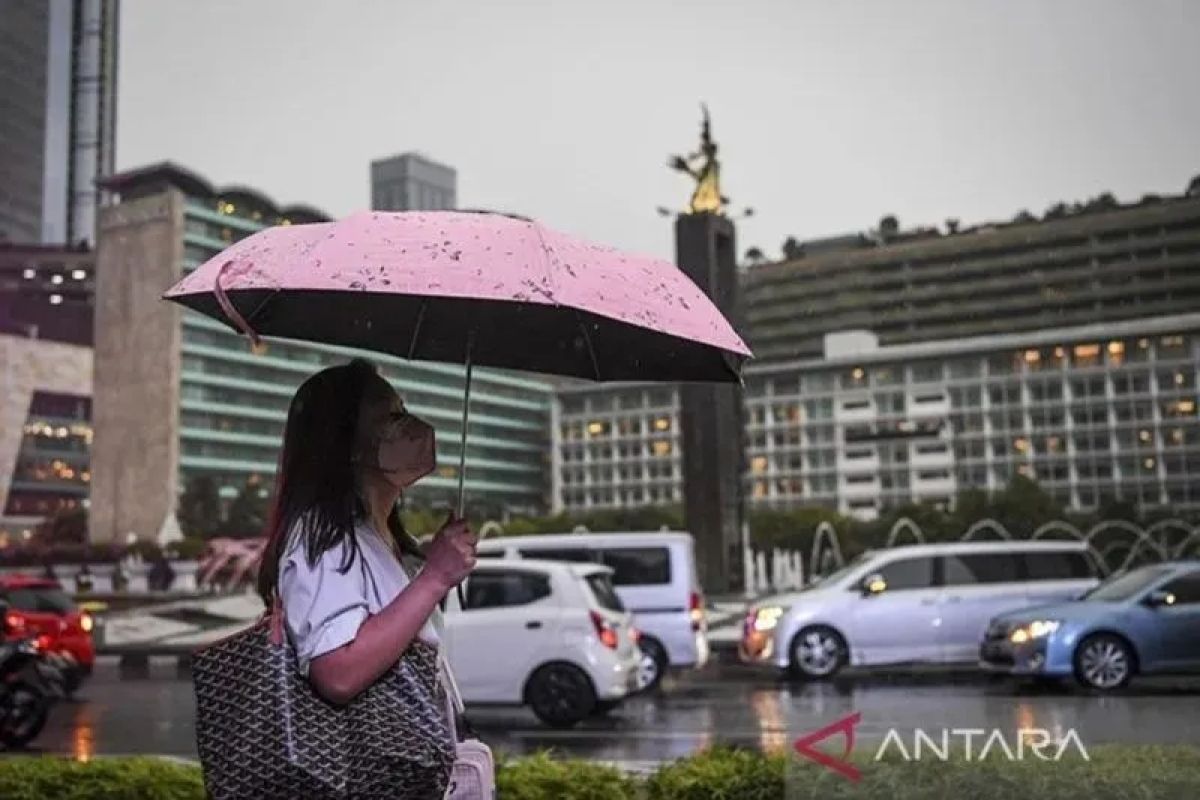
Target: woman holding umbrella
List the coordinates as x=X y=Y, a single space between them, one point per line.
x=355 y=590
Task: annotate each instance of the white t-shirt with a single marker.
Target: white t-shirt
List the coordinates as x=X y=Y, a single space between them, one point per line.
x=323 y=606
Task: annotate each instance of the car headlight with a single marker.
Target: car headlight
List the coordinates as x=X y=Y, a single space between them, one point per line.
x=1038 y=629
x=767 y=617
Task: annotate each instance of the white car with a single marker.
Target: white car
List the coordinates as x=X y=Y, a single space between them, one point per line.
x=921 y=603
x=545 y=634
x=655 y=577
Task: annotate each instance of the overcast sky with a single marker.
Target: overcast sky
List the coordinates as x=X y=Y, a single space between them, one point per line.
x=829 y=114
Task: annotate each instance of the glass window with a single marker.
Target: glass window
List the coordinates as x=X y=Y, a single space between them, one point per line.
x=927 y=372
x=493 y=588
x=970 y=568
x=908 y=573
x=638 y=566
x=575 y=554
x=1186 y=589
x=602 y=589
x=1128 y=584
x=1059 y=566
x=45 y=600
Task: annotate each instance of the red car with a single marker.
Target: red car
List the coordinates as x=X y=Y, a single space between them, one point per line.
x=39 y=608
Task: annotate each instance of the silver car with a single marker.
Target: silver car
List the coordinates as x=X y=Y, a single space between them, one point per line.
x=922 y=603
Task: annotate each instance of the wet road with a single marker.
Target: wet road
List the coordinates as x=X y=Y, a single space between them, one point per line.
x=721 y=704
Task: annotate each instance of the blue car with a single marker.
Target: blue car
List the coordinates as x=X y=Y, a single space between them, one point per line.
x=1139 y=622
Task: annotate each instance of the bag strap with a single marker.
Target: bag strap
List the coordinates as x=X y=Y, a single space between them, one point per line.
x=275 y=620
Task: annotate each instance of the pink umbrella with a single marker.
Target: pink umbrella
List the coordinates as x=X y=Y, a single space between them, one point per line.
x=469 y=288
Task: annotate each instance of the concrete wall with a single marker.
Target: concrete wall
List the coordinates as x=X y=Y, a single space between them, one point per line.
x=28 y=366
x=135 y=452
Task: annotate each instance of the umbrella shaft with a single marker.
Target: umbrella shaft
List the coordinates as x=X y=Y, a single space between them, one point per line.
x=462 y=450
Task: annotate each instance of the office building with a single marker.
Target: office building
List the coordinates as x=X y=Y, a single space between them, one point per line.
x=907 y=370
x=46 y=296
x=1092 y=413
x=179 y=396
x=412 y=182
x=59 y=59
x=1098 y=262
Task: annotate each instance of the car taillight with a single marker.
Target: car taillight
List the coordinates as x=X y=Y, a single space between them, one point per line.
x=42 y=642
x=14 y=622
x=605 y=632
x=696 y=610
x=635 y=635
x=86 y=623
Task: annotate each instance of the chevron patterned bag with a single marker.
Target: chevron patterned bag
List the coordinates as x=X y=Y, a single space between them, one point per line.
x=263 y=732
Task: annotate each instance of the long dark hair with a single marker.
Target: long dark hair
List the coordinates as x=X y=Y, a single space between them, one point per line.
x=315 y=491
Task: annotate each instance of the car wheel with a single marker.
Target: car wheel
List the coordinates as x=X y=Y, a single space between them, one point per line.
x=1104 y=662
x=653 y=664
x=560 y=695
x=818 y=652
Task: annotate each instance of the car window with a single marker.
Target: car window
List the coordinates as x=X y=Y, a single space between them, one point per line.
x=497 y=589
x=572 y=554
x=602 y=589
x=908 y=573
x=40 y=600
x=1058 y=566
x=971 y=568
x=1186 y=589
x=1127 y=585
x=638 y=566
x=489 y=553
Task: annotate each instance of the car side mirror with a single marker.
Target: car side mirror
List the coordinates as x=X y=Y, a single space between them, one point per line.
x=873 y=584
x=1159 y=598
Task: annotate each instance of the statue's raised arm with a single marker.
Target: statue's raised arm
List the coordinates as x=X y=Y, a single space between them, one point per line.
x=705 y=169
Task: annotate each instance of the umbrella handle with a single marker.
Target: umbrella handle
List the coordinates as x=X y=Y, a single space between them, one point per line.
x=230 y=310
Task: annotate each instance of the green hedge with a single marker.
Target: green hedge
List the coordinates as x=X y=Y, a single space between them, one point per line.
x=47 y=778
x=1115 y=772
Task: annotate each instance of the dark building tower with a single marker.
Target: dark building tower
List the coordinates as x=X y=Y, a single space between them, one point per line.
x=59 y=116
x=412 y=182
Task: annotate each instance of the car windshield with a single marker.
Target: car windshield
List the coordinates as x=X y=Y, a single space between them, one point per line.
x=1126 y=585
x=39 y=599
x=841 y=572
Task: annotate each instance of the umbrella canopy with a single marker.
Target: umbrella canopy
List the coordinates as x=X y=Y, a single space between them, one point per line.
x=465 y=287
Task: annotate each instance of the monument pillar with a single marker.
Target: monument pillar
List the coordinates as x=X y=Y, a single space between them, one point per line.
x=711 y=415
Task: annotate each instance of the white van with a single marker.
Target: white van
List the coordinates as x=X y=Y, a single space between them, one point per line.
x=921 y=603
x=655 y=577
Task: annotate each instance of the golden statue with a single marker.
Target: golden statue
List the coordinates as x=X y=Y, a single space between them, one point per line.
x=706 y=170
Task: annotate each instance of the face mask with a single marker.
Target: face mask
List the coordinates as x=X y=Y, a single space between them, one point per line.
x=406 y=450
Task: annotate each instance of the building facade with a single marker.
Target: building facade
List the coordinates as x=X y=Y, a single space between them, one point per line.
x=58 y=124
x=412 y=182
x=179 y=396
x=1101 y=262
x=46 y=296
x=1093 y=413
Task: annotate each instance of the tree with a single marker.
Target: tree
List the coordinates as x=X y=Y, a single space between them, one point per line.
x=1057 y=211
x=792 y=249
x=247 y=516
x=199 y=510
x=755 y=256
x=1024 y=506
x=1023 y=217
x=889 y=226
x=1193 y=189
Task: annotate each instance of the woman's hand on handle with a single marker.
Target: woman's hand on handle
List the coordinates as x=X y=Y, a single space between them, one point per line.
x=451 y=555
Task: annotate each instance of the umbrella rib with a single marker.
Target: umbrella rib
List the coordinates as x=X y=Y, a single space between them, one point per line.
x=412 y=345
x=587 y=338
